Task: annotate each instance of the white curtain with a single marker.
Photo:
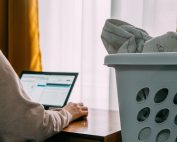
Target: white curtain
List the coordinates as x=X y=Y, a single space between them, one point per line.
x=70 y=33
x=70 y=40
x=155 y=16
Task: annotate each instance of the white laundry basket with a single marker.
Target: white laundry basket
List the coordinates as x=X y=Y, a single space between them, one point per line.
x=147 y=94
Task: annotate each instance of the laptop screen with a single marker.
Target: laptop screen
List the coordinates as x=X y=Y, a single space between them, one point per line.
x=51 y=89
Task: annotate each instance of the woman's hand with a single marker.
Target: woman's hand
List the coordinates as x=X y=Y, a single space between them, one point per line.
x=77 y=110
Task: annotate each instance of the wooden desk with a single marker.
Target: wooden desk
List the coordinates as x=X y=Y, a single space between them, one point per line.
x=100 y=126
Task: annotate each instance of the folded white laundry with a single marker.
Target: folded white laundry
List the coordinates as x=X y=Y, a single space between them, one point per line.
x=164 y=43
x=121 y=37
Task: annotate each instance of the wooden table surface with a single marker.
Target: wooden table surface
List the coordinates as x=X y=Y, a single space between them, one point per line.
x=99 y=124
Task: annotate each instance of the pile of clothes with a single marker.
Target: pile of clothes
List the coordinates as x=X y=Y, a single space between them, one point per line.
x=121 y=37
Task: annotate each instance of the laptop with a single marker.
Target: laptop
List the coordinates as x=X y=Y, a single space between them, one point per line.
x=51 y=89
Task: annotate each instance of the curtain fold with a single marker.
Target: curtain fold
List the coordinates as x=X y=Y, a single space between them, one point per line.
x=70 y=41
x=4 y=26
x=19 y=34
x=155 y=16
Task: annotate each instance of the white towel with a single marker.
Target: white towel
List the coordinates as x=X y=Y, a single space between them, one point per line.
x=164 y=43
x=119 y=37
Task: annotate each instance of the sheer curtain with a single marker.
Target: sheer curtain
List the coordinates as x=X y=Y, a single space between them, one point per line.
x=70 y=33
x=155 y=16
x=70 y=40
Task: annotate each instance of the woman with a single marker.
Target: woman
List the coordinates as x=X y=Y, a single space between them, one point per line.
x=23 y=120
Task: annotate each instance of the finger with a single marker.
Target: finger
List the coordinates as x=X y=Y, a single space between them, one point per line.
x=84 y=108
x=80 y=104
x=84 y=113
x=73 y=104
